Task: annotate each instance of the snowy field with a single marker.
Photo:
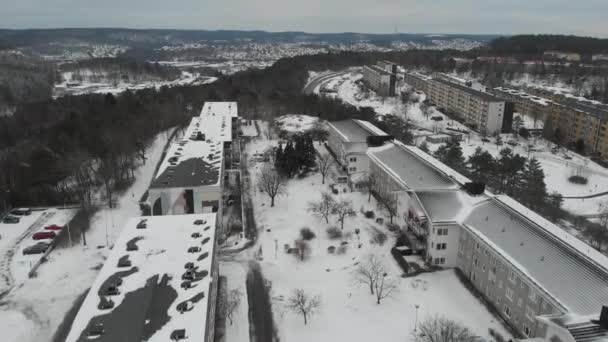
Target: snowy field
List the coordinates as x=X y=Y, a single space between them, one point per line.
x=349 y=312
x=557 y=167
x=293 y=123
x=37 y=307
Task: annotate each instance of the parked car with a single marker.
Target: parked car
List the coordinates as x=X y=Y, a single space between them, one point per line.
x=11 y=219
x=38 y=248
x=43 y=235
x=142 y=224
x=177 y=335
x=96 y=330
x=21 y=211
x=194 y=249
x=53 y=227
x=185 y=306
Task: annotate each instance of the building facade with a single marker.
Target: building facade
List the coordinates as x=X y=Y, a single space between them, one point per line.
x=383 y=82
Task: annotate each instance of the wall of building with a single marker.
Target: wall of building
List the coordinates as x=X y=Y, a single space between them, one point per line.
x=443 y=241
x=171 y=202
x=515 y=296
x=493 y=123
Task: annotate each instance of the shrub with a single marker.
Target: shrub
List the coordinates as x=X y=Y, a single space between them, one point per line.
x=331 y=249
x=379 y=237
x=334 y=233
x=578 y=179
x=307 y=234
x=370 y=214
x=393 y=227
x=342 y=249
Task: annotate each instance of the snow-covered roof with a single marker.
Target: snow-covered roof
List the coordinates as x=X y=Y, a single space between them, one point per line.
x=147 y=292
x=353 y=131
x=568 y=269
x=191 y=162
x=479 y=94
x=216 y=120
x=409 y=168
x=448 y=205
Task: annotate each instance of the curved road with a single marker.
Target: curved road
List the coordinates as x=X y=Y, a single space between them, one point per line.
x=315 y=82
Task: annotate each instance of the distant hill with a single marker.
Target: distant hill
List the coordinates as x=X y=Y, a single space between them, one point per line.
x=148 y=38
x=538 y=44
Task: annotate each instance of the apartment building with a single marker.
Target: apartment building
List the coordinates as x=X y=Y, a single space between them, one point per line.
x=159 y=283
x=480 y=110
x=387 y=66
x=349 y=140
x=417 y=80
x=190 y=178
x=525 y=104
x=543 y=281
x=383 y=82
x=563 y=55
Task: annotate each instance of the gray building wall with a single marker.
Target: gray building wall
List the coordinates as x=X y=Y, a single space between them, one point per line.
x=512 y=293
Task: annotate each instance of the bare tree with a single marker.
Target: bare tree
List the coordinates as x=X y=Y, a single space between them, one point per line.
x=441 y=329
x=232 y=303
x=325 y=163
x=303 y=304
x=368 y=272
x=324 y=207
x=271 y=183
x=302 y=249
x=343 y=208
x=386 y=286
x=369 y=184
x=388 y=203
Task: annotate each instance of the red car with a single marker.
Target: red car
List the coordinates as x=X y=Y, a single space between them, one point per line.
x=53 y=227
x=43 y=235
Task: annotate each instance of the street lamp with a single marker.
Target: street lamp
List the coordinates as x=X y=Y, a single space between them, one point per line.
x=416 y=319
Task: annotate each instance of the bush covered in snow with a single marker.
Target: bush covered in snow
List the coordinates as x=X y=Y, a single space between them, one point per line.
x=307 y=234
x=370 y=214
x=379 y=237
x=334 y=233
x=576 y=179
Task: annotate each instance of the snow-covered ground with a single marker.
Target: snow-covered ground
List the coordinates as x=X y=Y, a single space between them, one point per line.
x=86 y=87
x=38 y=305
x=293 y=123
x=349 y=312
x=557 y=167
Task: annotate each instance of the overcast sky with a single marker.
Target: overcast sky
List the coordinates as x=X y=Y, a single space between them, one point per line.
x=583 y=17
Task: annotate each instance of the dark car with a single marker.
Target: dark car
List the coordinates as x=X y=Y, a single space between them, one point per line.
x=199 y=222
x=21 y=211
x=53 y=227
x=11 y=219
x=142 y=224
x=112 y=291
x=38 y=248
x=43 y=235
x=188 y=275
x=105 y=303
x=195 y=249
x=184 y=306
x=196 y=235
x=179 y=334
x=96 y=330
x=124 y=263
x=189 y=265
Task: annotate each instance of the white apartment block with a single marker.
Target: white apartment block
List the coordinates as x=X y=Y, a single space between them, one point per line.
x=380 y=80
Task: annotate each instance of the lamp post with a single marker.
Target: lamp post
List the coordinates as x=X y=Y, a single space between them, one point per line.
x=416 y=319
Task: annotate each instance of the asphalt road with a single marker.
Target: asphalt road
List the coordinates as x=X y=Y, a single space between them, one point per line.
x=310 y=87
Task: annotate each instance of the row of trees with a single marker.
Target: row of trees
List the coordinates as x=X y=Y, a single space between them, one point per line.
x=297 y=153
x=509 y=173
x=328 y=206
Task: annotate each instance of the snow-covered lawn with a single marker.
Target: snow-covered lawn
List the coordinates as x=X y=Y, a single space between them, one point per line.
x=294 y=123
x=38 y=305
x=350 y=92
x=349 y=312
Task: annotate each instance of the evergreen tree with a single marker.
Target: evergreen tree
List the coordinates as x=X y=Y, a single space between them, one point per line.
x=534 y=188
x=509 y=171
x=279 y=160
x=482 y=165
x=290 y=159
x=451 y=155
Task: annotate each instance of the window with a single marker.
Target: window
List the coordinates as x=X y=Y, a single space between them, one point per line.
x=352 y=169
x=441 y=246
x=507 y=310
x=442 y=231
x=532 y=296
x=509 y=294
x=439 y=261
x=526 y=330
x=530 y=313
x=475 y=262
x=353 y=159
x=512 y=276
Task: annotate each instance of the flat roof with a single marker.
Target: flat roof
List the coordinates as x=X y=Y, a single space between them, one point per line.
x=485 y=96
x=600 y=111
x=356 y=130
x=149 y=290
x=575 y=281
x=379 y=70
x=414 y=172
x=216 y=120
x=447 y=205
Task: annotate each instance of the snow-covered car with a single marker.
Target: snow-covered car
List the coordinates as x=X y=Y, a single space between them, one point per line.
x=199 y=222
x=142 y=224
x=194 y=249
x=185 y=306
x=21 y=211
x=96 y=330
x=38 y=248
x=11 y=219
